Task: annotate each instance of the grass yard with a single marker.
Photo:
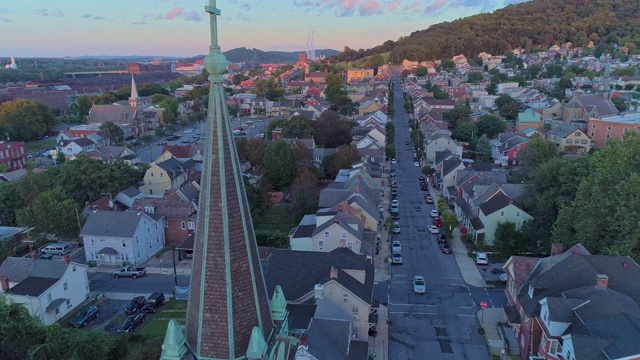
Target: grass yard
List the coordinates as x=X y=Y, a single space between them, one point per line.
x=156 y=325
x=39 y=146
x=277 y=218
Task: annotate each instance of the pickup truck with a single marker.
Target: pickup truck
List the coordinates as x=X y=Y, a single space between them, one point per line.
x=129 y=271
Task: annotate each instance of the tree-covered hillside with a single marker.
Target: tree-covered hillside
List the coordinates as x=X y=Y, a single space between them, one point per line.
x=527 y=25
x=268 y=57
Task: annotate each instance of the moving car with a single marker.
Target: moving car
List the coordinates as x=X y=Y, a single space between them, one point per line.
x=419 y=286
x=85 y=315
x=406 y=142
x=135 y=305
x=482 y=258
x=445 y=247
x=434 y=213
x=131 y=322
x=154 y=301
x=429 y=199
x=396 y=259
x=433 y=229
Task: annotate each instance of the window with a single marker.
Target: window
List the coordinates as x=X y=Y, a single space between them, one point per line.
x=354 y=312
x=501 y=213
x=152 y=174
x=530 y=291
x=93 y=241
x=183 y=225
x=137 y=240
x=320 y=244
x=553 y=347
x=345 y=297
x=166 y=223
x=350 y=245
x=138 y=254
x=92 y=255
x=584 y=141
x=569 y=141
x=49 y=297
x=160 y=174
x=570 y=355
x=344 y=235
x=68 y=304
x=148 y=230
x=326 y=234
x=149 y=209
x=191 y=225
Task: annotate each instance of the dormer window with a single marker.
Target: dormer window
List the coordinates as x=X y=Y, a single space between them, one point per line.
x=148 y=209
x=530 y=291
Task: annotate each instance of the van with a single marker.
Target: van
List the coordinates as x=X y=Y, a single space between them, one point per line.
x=57 y=249
x=482 y=258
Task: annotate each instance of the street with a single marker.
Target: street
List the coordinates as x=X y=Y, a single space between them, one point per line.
x=442 y=322
x=126 y=288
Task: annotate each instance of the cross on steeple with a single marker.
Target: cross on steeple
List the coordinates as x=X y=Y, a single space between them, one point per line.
x=214 y=62
x=213 y=23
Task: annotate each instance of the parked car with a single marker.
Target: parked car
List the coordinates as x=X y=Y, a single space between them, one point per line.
x=395 y=215
x=424 y=188
x=419 y=286
x=433 y=229
x=482 y=258
x=396 y=247
x=154 y=301
x=429 y=199
x=434 y=213
x=442 y=238
x=131 y=322
x=129 y=271
x=393 y=173
x=416 y=164
x=396 y=228
x=406 y=142
x=437 y=222
x=503 y=277
x=85 y=315
x=135 y=305
x=393 y=160
x=445 y=247
x=396 y=259
x=421 y=178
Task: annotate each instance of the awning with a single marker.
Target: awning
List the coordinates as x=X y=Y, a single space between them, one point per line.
x=512 y=314
x=55 y=303
x=108 y=251
x=477 y=224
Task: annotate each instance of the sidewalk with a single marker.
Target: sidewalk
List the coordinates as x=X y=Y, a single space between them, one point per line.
x=500 y=339
x=379 y=345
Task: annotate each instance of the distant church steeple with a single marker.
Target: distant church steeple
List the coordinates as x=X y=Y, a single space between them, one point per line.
x=133 y=99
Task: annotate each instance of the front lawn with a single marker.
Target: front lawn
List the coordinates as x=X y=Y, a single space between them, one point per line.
x=39 y=146
x=276 y=218
x=156 y=325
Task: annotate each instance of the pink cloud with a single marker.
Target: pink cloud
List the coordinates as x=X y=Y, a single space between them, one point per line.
x=393 y=4
x=173 y=13
x=435 y=7
x=370 y=7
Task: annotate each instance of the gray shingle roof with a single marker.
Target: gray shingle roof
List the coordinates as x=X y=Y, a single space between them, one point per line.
x=33 y=285
x=589 y=347
x=496 y=203
x=16 y=269
x=313 y=268
x=329 y=339
x=561 y=309
x=114 y=223
x=564 y=130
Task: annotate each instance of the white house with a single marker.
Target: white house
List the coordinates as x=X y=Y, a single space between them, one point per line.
x=51 y=288
x=75 y=146
x=115 y=237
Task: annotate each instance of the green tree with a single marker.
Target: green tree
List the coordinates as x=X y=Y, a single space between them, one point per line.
x=491 y=125
x=19 y=329
x=304 y=194
x=298 y=127
x=25 y=119
x=278 y=164
x=113 y=131
x=449 y=222
x=52 y=213
x=257 y=197
x=537 y=151
x=483 y=149
x=465 y=132
x=333 y=86
x=458 y=115
x=447 y=64
x=603 y=216
x=475 y=78
x=34 y=183
x=389 y=150
x=10 y=201
x=4 y=168
x=620 y=103
x=60 y=158
x=421 y=71
x=508 y=240
x=492 y=88
x=274 y=124
x=256 y=149
x=301 y=157
x=238 y=78
x=331 y=131
x=344 y=157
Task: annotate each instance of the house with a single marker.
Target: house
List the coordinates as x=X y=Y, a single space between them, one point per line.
x=377 y=118
x=604 y=129
x=317 y=77
x=529 y=118
x=117 y=237
x=445 y=175
x=105 y=203
x=506 y=148
x=569 y=138
x=368 y=107
x=13 y=155
x=48 y=289
x=166 y=175
x=179 y=152
x=358 y=74
x=340 y=277
x=581 y=108
x=75 y=146
x=500 y=209
x=13 y=175
x=179 y=216
x=574 y=305
x=438 y=141
x=128 y=196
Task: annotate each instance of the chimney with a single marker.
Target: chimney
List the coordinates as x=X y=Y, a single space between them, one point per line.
x=304 y=340
x=510 y=201
x=340 y=207
x=318 y=291
x=111 y=204
x=4 y=283
x=602 y=282
x=67 y=259
x=556 y=249
x=625 y=265
x=333 y=274
x=356 y=190
x=335 y=219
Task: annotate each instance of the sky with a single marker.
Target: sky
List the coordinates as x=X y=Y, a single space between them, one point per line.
x=39 y=28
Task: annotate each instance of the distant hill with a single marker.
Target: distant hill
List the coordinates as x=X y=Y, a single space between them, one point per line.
x=527 y=25
x=266 y=57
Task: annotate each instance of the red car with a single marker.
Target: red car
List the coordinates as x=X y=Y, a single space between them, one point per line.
x=437 y=222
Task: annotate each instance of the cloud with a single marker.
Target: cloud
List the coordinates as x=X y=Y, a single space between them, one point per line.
x=142 y=21
x=5 y=20
x=93 y=17
x=179 y=12
x=436 y=7
x=49 y=12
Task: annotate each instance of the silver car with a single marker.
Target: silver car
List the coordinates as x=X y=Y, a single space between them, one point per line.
x=419 y=286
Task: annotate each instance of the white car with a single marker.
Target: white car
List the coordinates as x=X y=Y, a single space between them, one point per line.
x=433 y=229
x=396 y=228
x=434 y=213
x=416 y=164
x=482 y=258
x=394 y=203
x=393 y=160
x=419 y=286
x=396 y=248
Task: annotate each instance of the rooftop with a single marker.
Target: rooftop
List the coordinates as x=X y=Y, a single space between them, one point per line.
x=622 y=119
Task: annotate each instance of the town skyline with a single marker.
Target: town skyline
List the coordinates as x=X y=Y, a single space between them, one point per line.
x=178 y=29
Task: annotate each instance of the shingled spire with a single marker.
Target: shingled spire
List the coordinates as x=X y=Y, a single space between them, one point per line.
x=228 y=296
x=133 y=99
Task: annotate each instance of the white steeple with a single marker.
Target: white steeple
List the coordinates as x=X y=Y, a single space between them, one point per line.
x=133 y=99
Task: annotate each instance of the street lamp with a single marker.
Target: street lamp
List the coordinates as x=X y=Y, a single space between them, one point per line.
x=175 y=274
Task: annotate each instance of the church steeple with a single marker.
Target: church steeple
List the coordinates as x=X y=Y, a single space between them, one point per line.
x=228 y=302
x=133 y=99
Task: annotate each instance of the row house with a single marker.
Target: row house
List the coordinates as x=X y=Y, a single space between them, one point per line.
x=375 y=138
x=375 y=119
x=433 y=105
x=574 y=305
x=279 y=108
x=13 y=155
x=166 y=175
x=179 y=216
x=507 y=147
x=111 y=154
x=436 y=140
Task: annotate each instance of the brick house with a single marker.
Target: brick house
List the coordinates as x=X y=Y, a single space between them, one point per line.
x=179 y=216
x=612 y=127
x=574 y=305
x=13 y=154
